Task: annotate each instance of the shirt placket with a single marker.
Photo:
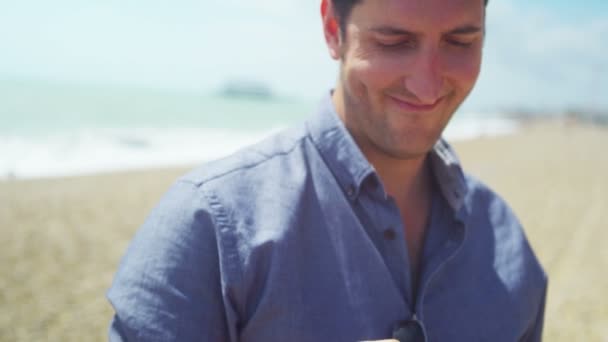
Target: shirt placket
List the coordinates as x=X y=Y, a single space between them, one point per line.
x=386 y=228
x=445 y=238
x=445 y=235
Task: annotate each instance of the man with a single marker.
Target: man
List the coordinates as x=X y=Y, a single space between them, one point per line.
x=359 y=225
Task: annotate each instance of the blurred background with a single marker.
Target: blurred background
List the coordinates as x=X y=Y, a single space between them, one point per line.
x=104 y=103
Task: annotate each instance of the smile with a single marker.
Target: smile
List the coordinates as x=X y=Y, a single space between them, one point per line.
x=415 y=107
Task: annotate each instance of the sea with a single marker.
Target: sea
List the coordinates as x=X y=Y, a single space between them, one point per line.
x=58 y=130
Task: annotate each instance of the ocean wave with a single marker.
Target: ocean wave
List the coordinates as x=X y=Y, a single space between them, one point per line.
x=94 y=150
x=101 y=150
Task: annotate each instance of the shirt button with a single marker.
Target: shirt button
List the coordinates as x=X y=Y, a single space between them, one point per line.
x=390 y=234
x=350 y=191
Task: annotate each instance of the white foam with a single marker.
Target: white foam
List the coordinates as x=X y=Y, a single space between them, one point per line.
x=101 y=150
x=477 y=126
x=88 y=151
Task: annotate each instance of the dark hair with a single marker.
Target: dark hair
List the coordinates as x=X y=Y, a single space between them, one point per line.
x=344 y=7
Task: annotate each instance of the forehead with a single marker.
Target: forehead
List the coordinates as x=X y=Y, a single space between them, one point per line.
x=418 y=15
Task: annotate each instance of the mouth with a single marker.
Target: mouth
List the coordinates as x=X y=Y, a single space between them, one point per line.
x=415 y=106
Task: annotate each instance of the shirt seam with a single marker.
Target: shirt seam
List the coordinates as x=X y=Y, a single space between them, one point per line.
x=199 y=183
x=225 y=229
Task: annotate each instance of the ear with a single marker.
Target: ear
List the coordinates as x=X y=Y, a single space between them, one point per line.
x=331 y=28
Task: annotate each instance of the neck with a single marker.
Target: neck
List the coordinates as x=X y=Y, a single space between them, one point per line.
x=406 y=181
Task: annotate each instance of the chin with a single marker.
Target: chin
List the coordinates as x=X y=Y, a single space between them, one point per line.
x=407 y=153
x=410 y=149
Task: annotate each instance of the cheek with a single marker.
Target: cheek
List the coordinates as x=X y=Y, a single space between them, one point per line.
x=374 y=74
x=372 y=66
x=463 y=69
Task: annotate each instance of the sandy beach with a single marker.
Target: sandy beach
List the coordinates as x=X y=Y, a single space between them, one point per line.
x=61 y=239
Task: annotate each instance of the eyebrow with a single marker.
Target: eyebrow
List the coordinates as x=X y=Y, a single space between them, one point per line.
x=469 y=29
x=394 y=31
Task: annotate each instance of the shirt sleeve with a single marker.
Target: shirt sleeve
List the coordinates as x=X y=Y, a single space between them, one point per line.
x=168 y=286
x=535 y=333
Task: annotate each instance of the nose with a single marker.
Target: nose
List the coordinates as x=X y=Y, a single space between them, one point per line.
x=425 y=80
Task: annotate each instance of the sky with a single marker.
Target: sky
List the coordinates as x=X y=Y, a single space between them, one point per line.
x=539 y=54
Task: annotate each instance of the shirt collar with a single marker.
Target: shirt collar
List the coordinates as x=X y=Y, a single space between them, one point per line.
x=338 y=148
x=351 y=168
x=448 y=174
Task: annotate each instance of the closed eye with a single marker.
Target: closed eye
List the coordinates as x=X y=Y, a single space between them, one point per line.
x=396 y=44
x=459 y=43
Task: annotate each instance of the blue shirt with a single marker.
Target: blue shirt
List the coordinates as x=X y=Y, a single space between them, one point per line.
x=295 y=239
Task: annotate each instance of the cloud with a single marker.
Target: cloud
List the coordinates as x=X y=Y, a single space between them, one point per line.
x=272 y=7
x=539 y=59
x=191 y=44
x=533 y=57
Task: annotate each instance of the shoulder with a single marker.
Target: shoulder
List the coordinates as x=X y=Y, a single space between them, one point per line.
x=257 y=178
x=481 y=198
x=486 y=209
x=491 y=217
x=207 y=203
x=256 y=187
x=257 y=157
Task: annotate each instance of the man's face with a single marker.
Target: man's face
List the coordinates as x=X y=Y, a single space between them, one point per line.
x=406 y=66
